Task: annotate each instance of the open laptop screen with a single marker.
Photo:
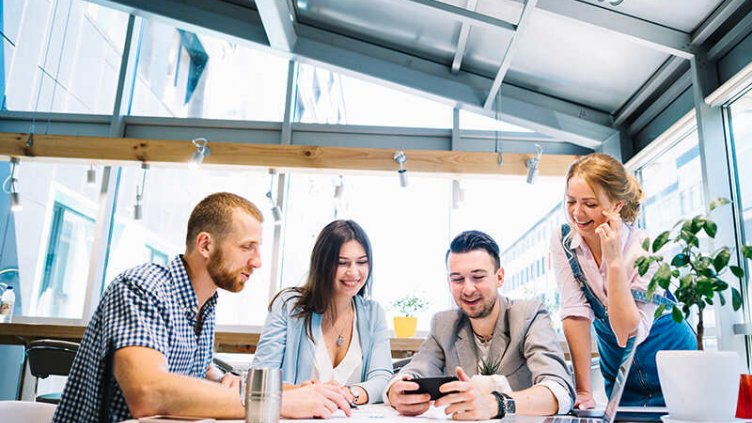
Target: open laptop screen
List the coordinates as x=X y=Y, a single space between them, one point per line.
x=621 y=380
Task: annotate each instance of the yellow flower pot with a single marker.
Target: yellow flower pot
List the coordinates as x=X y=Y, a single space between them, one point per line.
x=404 y=327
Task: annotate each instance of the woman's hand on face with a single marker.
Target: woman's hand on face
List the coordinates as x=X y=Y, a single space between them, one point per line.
x=609 y=233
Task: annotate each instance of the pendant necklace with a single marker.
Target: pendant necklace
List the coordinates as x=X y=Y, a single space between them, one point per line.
x=340 y=338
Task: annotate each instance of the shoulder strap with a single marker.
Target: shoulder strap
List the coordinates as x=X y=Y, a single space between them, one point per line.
x=566 y=243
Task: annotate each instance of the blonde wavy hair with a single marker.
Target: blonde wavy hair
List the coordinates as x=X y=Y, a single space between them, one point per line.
x=605 y=173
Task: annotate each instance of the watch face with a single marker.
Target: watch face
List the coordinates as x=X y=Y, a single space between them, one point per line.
x=509 y=405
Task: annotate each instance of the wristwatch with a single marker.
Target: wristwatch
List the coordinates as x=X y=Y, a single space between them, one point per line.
x=506 y=405
x=354 y=393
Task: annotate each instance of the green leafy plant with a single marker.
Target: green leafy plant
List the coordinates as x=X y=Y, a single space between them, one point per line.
x=489 y=366
x=409 y=305
x=692 y=276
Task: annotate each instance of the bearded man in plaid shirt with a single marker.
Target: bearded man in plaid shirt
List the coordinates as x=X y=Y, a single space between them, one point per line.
x=148 y=348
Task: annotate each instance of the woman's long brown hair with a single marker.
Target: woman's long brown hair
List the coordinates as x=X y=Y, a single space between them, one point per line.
x=316 y=294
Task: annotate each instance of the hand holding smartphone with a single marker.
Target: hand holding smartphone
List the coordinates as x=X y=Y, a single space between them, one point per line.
x=430 y=385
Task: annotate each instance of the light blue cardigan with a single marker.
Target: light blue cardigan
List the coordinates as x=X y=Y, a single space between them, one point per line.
x=284 y=344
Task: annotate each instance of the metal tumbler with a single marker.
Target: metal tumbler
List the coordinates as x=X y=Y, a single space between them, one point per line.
x=261 y=394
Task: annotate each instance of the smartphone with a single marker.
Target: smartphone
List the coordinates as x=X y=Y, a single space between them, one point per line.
x=174 y=419
x=430 y=385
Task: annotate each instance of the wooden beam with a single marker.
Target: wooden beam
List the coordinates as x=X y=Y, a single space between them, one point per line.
x=104 y=150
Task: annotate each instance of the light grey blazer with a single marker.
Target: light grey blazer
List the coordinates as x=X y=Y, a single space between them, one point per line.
x=524 y=339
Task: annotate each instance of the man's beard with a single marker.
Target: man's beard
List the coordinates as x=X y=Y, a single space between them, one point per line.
x=229 y=280
x=483 y=312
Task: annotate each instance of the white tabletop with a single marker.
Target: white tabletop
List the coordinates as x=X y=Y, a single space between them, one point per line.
x=380 y=413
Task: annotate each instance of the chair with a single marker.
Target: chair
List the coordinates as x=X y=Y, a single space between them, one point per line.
x=50 y=357
x=26 y=412
x=399 y=364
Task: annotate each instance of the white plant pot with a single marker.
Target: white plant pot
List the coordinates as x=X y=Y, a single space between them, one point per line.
x=700 y=385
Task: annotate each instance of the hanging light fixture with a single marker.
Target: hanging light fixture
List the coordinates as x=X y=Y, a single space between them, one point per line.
x=339 y=188
x=613 y=2
x=532 y=164
x=400 y=158
x=497 y=147
x=9 y=186
x=138 y=213
x=276 y=210
x=202 y=151
x=91 y=176
x=458 y=194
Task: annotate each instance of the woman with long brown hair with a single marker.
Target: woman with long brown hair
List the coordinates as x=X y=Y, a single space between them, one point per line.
x=327 y=331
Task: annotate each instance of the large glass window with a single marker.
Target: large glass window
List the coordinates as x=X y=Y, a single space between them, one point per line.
x=741 y=128
x=329 y=97
x=67 y=263
x=673 y=186
x=672 y=183
x=183 y=74
x=740 y=119
x=408 y=228
x=169 y=194
x=60 y=56
x=521 y=221
x=49 y=239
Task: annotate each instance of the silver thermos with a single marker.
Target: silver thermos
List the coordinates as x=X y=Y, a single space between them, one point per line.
x=261 y=394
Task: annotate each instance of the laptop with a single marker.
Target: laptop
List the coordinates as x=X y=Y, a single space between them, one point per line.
x=614 y=413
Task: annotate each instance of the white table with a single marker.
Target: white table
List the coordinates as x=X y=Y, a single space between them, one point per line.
x=380 y=413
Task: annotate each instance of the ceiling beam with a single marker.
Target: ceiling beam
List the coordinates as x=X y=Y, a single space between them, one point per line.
x=112 y=150
x=656 y=107
x=219 y=17
x=462 y=40
x=466 y=16
x=639 y=31
x=731 y=38
x=506 y=61
x=720 y=15
x=278 y=19
x=659 y=79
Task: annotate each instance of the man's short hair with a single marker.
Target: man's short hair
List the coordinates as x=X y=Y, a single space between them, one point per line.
x=475 y=240
x=214 y=215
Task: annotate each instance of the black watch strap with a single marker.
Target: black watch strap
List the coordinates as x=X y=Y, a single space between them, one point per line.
x=500 y=404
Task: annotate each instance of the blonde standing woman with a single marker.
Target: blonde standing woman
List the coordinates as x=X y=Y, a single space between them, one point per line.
x=593 y=257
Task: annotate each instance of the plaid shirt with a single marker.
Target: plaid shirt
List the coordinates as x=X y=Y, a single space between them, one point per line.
x=149 y=306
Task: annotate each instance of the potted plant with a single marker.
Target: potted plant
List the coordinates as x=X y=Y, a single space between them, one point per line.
x=694 y=277
x=407 y=307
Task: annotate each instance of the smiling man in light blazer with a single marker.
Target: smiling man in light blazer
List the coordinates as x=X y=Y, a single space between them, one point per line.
x=513 y=341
